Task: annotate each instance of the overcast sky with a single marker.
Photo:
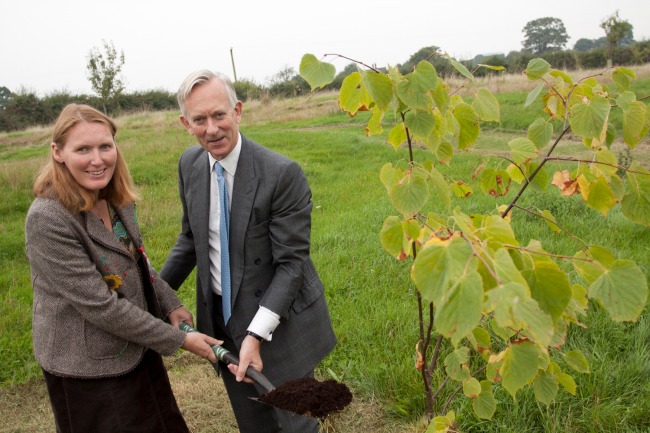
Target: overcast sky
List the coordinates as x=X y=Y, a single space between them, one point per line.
x=44 y=44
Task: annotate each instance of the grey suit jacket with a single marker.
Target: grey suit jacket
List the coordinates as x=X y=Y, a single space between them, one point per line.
x=81 y=327
x=270 y=228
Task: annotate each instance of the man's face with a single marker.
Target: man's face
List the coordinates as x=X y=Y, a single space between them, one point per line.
x=210 y=117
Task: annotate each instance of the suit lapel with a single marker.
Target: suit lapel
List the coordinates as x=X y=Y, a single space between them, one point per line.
x=198 y=201
x=243 y=195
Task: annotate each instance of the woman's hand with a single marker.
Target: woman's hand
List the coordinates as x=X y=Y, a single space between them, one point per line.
x=180 y=314
x=199 y=344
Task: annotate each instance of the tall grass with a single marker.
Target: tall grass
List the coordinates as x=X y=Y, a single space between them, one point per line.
x=371 y=298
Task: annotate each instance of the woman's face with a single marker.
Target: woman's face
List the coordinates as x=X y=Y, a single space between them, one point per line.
x=90 y=155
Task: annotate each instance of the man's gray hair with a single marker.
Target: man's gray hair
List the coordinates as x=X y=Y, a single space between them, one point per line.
x=199 y=78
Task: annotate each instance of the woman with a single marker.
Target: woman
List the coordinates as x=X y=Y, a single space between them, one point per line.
x=99 y=309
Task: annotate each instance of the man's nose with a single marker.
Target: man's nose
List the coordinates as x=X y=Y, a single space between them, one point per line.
x=213 y=126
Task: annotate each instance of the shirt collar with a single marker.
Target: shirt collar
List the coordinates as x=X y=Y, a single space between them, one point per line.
x=229 y=163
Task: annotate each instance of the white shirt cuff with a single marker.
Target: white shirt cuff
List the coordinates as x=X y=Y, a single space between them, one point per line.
x=264 y=323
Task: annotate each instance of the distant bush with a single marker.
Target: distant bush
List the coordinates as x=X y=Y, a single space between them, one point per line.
x=565 y=60
x=592 y=59
x=247 y=90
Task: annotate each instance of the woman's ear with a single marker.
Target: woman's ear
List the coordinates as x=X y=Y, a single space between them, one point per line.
x=56 y=152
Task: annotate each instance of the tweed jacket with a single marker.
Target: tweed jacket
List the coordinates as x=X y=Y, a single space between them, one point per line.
x=270 y=228
x=95 y=308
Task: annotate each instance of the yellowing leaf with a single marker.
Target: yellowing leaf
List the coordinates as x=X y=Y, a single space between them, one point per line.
x=622 y=290
x=485 y=404
x=486 y=106
x=469 y=125
x=577 y=361
x=354 y=96
x=519 y=367
x=545 y=387
x=459 y=312
x=562 y=180
x=471 y=387
x=523 y=150
x=636 y=204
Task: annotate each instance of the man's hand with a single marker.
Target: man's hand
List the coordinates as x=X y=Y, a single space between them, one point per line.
x=249 y=355
x=180 y=314
x=199 y=344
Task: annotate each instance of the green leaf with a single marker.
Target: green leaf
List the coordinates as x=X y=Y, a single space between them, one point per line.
x=389 y=175
x=549 y=219
x=545 y=387
x=485 y=404
x=456 y=364
x=486 y=106
x=501 y=300
x=392 y=237
x=439 y=265
x=636 y=204
x=471 y=387
x=415 y=89
x=535 y=321
x=317 y=74
x=622 y=76
x=600 y=260
x=460 y=310
x=380 y=88
x=523 y=150
x=550 y=287
x=420 y=122
x=480 y=340
x=540 y=133
x=440 y=187
x=498 y=231
x=469 y=125
x=461 y=68
x=410 y=193
x=537 y=68
x=519 y=366
x=622 y=290
x=576 y=360
x=635 y=126
x=532 y=96
x=588 y=119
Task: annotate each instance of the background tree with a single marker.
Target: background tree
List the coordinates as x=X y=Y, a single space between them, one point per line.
x=5 y=94
x=104 y=69
x=617 y=32
x=544 y=34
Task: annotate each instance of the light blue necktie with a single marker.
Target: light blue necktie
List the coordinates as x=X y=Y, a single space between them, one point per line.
x=224 y=235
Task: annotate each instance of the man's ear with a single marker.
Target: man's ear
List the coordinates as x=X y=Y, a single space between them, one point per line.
x=56 y=152
x=186 y=124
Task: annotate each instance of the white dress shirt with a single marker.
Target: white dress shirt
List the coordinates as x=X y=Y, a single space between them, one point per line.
x=265 y=320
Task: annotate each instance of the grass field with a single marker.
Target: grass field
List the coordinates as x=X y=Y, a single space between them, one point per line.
x=371 y=297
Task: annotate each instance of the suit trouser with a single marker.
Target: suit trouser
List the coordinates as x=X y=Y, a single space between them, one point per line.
x=253 y=416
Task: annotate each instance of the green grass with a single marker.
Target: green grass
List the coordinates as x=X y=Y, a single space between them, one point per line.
x=371 y=297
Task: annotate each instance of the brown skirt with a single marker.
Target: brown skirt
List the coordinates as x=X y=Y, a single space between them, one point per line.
x=140 y=401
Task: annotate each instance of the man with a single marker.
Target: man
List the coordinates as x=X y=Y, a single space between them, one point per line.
x=277 y=316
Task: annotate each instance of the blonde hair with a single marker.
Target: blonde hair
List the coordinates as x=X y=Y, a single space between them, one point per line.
x=56 y=181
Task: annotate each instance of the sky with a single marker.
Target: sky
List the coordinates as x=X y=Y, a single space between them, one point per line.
x=44 y=44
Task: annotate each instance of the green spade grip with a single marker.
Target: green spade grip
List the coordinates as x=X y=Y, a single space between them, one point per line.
x=226 y=356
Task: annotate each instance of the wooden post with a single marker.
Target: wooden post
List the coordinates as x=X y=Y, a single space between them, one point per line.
x=232 y=59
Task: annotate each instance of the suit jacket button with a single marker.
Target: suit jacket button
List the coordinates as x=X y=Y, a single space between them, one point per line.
x=258 y=261
x=258 y=293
